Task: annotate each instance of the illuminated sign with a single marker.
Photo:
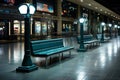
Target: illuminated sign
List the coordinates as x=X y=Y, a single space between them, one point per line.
x=45 y=7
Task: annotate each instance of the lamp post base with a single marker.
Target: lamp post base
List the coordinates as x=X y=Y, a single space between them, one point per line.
x=27 y=68
x=81 y=50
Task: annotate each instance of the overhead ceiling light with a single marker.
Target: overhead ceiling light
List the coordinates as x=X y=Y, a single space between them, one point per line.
x=96 y=7
x=89 y=4
x=100 y=9
x=81 y=0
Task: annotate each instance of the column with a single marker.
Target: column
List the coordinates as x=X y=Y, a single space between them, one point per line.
x=78 y=19
x=94 y=28
x=59 y=21
x=89 y=21
x=6 y=32
x=12 y=27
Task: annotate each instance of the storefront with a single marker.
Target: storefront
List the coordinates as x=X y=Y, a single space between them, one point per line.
x=44 y=28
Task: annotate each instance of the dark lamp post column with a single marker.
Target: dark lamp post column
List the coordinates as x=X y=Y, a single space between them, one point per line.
x=82 y=47
x=102 y=36
x=115 y=31
x=27 y=10
x=110 y=26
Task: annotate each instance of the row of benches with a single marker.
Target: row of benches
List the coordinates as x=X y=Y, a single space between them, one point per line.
x=90 y=41
x=47 y=48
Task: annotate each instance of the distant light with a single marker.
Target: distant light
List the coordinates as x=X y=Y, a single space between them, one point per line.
x=81 y=20
x=96 y=7
x=102 y=23
x=115 y=26
x=105 y=11
x=118 y=26
x=89 y=4
x=81 y=0
x=100 y=9
x=110 y=25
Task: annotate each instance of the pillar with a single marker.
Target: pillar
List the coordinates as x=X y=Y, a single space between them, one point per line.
x=59 y=21
x=12 y=27
x=94 y=27
x=89 y=21
x=78 y=19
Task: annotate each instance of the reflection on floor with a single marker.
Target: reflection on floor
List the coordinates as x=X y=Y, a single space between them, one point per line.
x=100 y=63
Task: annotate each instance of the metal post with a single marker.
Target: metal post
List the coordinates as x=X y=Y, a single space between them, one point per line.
x=115 y=32
x=27 y=64
x=102 y=36
x=110 y=32
x=82 y=47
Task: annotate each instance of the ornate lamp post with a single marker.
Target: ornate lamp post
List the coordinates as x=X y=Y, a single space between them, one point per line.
x=102 y=36
x=81 y=48
x=115 y=31
x=27 y=10
x=118 y=30
x=110 y=26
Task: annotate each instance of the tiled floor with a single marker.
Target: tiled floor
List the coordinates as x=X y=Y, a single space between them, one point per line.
x=100 y=63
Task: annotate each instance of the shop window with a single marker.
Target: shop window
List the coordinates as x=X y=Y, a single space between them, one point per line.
x=18 y=27
x=37 y=28
x=44 y=28
x=66 y=27
x=1 y=30
x=2 y=24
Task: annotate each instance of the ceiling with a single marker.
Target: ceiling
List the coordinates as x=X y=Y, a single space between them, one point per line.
x=100 y=8
x=113 y=5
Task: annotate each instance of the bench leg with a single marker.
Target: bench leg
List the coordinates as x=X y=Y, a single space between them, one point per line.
x=62 y=56
x=46 y=62
x=50 y=60
x=70 y=53
x=59 y=57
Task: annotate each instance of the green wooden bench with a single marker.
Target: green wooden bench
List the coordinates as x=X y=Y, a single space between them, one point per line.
x=106 y=39
x=89 y=40
x=47 y=48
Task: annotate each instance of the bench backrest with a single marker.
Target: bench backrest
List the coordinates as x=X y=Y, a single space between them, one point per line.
x=85 y=38
x=43 y=45
x=99 y=36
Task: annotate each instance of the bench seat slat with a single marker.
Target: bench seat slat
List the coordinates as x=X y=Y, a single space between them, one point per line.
x=52 y=51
